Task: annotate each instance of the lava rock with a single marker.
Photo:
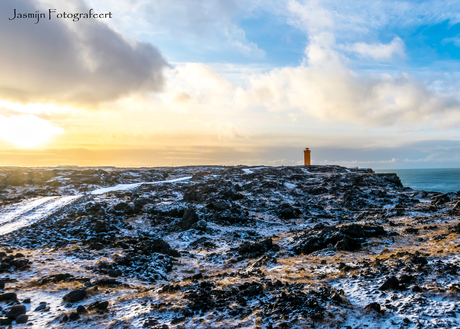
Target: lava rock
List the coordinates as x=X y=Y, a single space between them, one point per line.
x=22 y=319
x=188 y=219
x=218 y=205
x=16 y=311
x=286 y=211
x=419 y=260
x=441 y=200
x=257 y=249
x=410 y=230
x=10 y=296
x=114 y=273
x=160 y=246
x=41 y=307
x=101 y=306
x=81 y=309
x=96 y=246
x=374 y=307
x=348 y=244
x=5 y=321
x=107 y=282
x=391 y=283
x=74 y=316
x=55 y=278
x=456 y=209
x=75 y=296
x=351 y=236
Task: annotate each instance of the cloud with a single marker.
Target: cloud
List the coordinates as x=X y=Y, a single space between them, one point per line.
x=454 y=40
x=198 y=25
x=379 y=51
x=59 y=61
x=335 y=93
x=237 y=38
x=324 y=88
x=310 y=16
x=358 y=18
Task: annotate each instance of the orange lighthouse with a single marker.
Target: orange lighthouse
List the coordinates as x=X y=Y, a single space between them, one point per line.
x=306 y=156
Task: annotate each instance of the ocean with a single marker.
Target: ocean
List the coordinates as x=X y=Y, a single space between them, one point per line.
x=436 y=180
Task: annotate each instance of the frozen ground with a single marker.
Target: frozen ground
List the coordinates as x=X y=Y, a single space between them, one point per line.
x=226 y=247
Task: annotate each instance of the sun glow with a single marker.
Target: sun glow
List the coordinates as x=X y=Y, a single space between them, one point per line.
x=27 y=131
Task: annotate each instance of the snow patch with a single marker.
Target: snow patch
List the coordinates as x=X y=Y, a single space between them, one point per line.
x=123 y=187
x=16 y=216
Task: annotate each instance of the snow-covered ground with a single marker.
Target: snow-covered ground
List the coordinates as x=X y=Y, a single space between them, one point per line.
x=25 y=213
x=228 y=247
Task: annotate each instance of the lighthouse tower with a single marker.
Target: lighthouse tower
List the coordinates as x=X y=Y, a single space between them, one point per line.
x=306 y=156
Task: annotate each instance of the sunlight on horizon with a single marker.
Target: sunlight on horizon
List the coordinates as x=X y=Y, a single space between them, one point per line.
x=27 y=131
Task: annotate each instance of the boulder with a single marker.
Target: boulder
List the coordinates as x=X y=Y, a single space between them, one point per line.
x=10 y=296
x=373 y=307
x=16 y=311
x=74 y=316
x=391 y=283
x=188 y=219
x=75 y=296
x=101 y=306
x=22 y=319
x=257 y=249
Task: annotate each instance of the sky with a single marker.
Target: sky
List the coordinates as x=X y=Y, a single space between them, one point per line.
x=371 y=84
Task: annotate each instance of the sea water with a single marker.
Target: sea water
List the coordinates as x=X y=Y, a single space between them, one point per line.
x=434 y=180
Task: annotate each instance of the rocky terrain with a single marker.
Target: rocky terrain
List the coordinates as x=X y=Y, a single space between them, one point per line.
x=225 y=247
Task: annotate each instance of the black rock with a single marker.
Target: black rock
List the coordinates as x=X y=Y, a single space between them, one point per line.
x=456 y=209
x=188 y=219
x=322 y=236
x=40 y=307
x=348 y=244
x=257 y=249
x=114 y=273
x=5 y=321
x=178 y=320
x=406 y=278
x=218 y=205
x=16 y=311
x=10 y=296
x=101 y=306
x=390 y=284
x=74 y=316
x=286 y=211
x=75 y=296
x=96 y=246
x=107 y=282
x=410 y=230
x=419 y=260
x=22 y=319
x=373 y=307
x=81 y=309
x=26 y=301
x=160 y=246
x=55 y=278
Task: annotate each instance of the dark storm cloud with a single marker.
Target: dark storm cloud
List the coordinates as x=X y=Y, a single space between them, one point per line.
x=62 y=61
